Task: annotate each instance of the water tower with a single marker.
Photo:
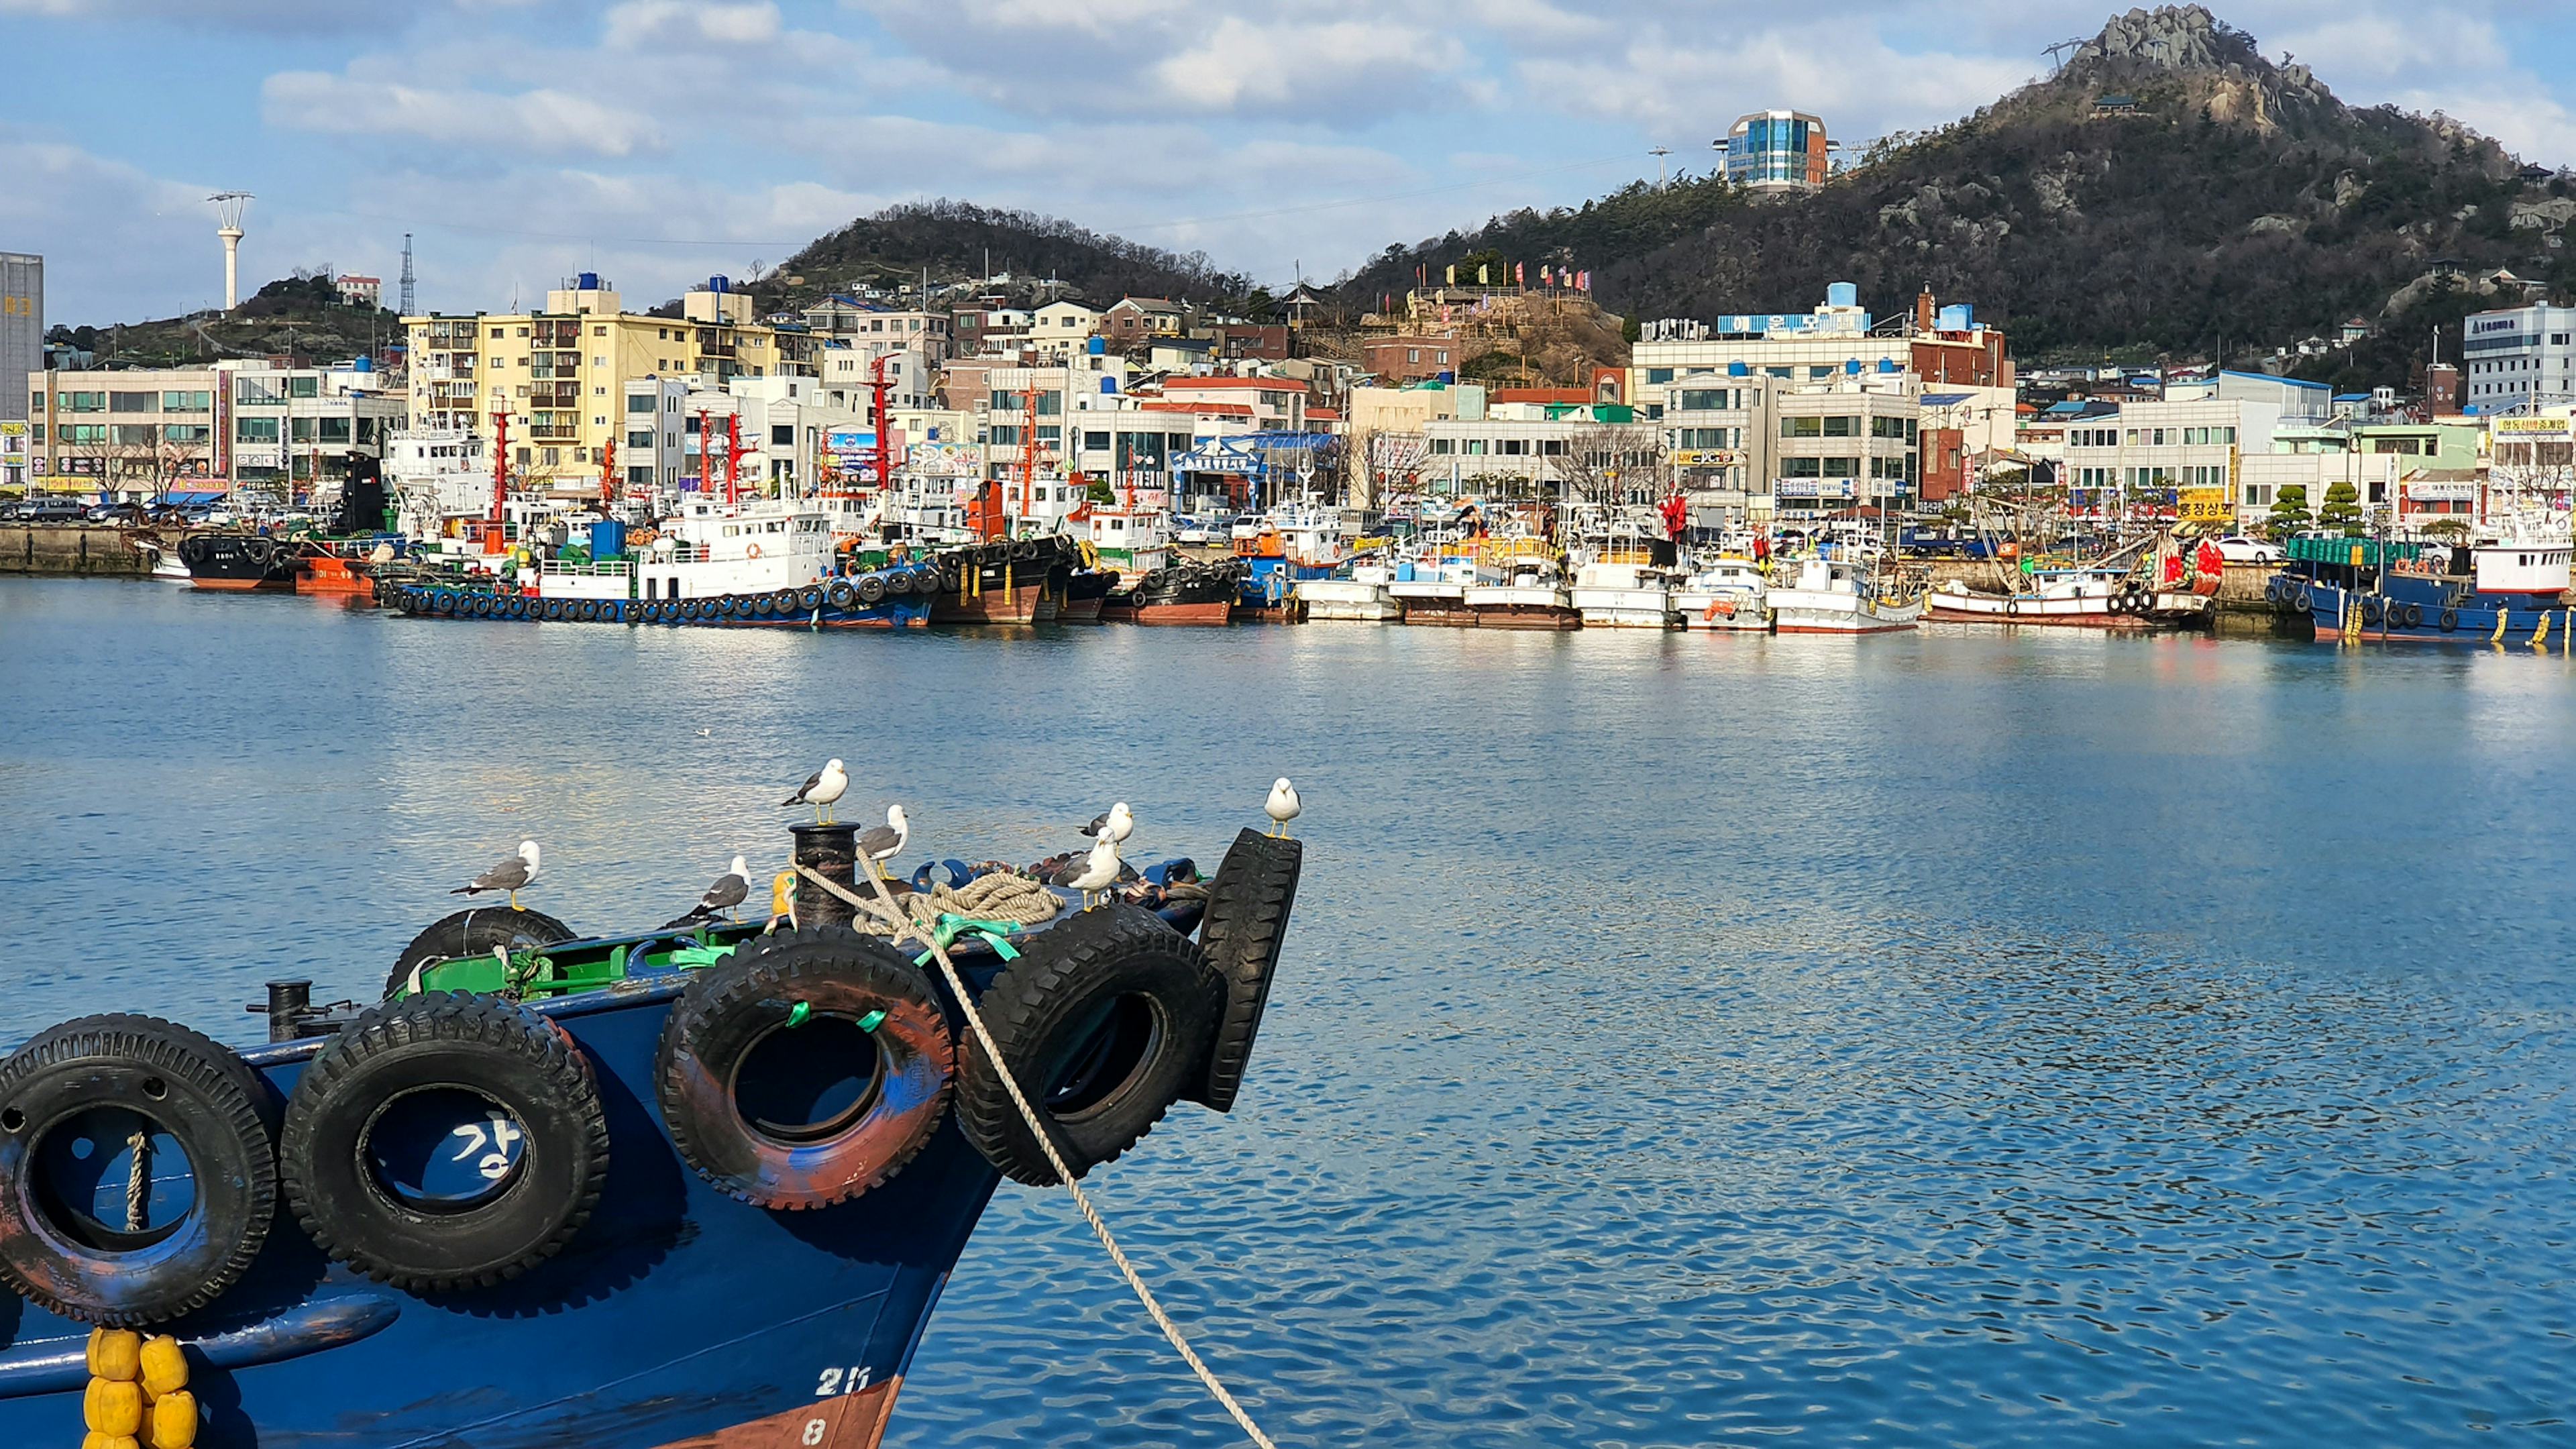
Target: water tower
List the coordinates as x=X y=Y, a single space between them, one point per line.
x=228 y=210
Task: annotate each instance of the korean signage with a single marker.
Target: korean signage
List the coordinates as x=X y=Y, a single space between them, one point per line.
x=1814 y=488
x=850 y=445
x=1703 y=457
x=2425 y=490
x=2532 y=430
x=2203 y=505
x=947 y=460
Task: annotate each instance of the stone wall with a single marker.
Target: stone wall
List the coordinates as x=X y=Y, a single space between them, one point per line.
x=45 y=548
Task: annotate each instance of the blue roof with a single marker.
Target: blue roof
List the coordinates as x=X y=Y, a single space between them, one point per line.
x=2352 y=397
x=1945 y=399
x=2067 y=407
x=2267 y=377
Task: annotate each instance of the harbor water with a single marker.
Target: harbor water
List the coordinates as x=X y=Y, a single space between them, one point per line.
x=1953 y=1037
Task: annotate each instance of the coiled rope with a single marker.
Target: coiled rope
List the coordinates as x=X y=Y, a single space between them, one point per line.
x=1000 y=896
x=1045 y=1139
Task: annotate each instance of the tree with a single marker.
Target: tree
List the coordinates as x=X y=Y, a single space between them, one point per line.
x=2342 y=510
x=2289 y=513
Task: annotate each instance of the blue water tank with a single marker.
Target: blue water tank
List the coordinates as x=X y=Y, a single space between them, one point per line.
x=363 y=364
x=1888 y=364
x=1958 y=317
x=1108 y=384
x=1739 y=369
x=1842 y=294
x=1445 y=379
x=1099 y=346
x=1851 y=367
x=607 y=536
x=719 y=284
x=587 y=282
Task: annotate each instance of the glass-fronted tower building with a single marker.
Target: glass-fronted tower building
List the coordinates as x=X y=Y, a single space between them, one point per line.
x=1776 y=151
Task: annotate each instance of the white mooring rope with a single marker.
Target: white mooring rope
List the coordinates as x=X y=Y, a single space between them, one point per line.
x=1055 y=1160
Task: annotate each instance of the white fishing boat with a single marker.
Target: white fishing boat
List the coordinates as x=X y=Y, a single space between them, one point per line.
x=161 y=563
x=709 y=548
x=1366 y=596
x=1624 y=595
x=1727 y=592
x=1839 y=596
x=1520 y=585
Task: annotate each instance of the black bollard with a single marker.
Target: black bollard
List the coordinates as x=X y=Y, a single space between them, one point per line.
x=288 y=1004
x=832 y=852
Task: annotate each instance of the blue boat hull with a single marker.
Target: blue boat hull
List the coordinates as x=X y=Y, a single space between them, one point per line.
x=2421 y=611
x=678 y=1316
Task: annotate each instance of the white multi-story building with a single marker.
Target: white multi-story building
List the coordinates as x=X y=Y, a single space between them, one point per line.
x=136 y=433
x=2151 y=453
x=2519 y=357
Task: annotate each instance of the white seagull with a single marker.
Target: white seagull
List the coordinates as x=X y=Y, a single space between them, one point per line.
x=1282 y=806
x=884 y=842
x=728 y=891
x=820 y=789
x=1092 y=874
x=512 y=875
x=1115 y=826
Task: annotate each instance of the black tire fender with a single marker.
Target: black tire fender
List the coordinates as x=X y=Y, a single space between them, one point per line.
x=2450 y=620
x=871 y=589
x=1104 y=1021
x=856 y=992
x=93 y=1078
x=1247 y=921
x=840 y=594
x=474 y=931
x=533 y=1079
x=809 y=598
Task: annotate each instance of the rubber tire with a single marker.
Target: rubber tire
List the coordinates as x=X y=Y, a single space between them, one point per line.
x=218 y=1109
x=809 y=599
x=840 y=595
x=729 y=1008
x=475 y=931
x=784 y=601
x=551 y=610
x=2372 y=611
x=688 y=611
x=2414 y=615
x=1248 y=906
x=445 y=605
x=872 y=590
x=445 y=1039
x=1034 y=1008
x=2307 y=600
x=2450 y=620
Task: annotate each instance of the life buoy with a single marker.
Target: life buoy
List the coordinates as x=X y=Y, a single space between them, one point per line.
x=752 y=552
x=805 y=1070
x=1247 y=919
x=71 y=1101
x=840 y=594
x=434 y=1071
x=871 y=589
x=1104 y=1022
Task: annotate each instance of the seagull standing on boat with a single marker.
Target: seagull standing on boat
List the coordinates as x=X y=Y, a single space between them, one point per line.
x=728 y=891
x=820 y=789
x=1282 y=806
x=512 y=875
x=884 y=842
x=1114 y=826
x=1092 y=874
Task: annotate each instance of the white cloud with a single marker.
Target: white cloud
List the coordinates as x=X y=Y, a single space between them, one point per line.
x=638 y=23
x=145 y=244
x=538 y=122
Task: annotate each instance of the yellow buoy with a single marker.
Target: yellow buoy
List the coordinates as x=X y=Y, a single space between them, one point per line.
x=165 y=1367
x=174 y=1420
x=113 y=1407
x=114 y=1353
x=109 y=1441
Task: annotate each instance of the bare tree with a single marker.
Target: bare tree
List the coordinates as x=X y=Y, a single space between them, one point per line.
x=1613 y=464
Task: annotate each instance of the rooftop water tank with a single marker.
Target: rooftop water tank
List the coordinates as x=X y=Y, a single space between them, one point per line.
x=586 y=282
x=363 y=364
x=719 y=284
x=1108 y=384
x=1842 y=294
x=1887 y=364
x=1739 y=369
x=1851 y=367
x=1099 y=346
x=1958 y=317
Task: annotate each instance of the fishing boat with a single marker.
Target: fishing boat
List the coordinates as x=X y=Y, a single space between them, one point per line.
x=239 y=562
x=1361 y=593
x=693 y=1187
x=1729 y=591
x=1003 y=581
x=2076 y=598
x=1843 y=596
x=1520 y=584
x=161 y=560
x=2508 y=588
x=1624 y=594
x=1179 y=593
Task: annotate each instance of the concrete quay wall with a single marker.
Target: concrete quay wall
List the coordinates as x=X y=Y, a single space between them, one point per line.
x=48 y=548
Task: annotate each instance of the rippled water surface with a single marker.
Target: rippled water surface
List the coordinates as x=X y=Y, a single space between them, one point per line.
x=1945 y=1038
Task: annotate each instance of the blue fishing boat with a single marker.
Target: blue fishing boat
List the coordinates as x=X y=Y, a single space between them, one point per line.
x=2498 y=591
x=691 y=1188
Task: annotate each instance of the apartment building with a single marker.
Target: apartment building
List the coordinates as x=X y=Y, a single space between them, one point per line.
x=138 y=433
x=558 y=374
x=22 y=328
x=2520 y=357
x=1277 y=403
x=1747 y=448
x=2165 y=454
x=869 y=331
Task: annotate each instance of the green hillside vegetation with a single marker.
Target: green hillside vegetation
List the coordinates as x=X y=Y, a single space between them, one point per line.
x=956 y=240
x=301 y=316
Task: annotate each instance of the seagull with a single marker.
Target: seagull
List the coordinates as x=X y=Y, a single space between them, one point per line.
x=728 y=891
x=1116 y=825
x=820 y=789
x=512 y=875
x=1092 y=874
x=884 y=842
x=1282 y=806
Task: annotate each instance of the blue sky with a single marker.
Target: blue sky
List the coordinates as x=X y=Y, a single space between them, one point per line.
x=659 y=140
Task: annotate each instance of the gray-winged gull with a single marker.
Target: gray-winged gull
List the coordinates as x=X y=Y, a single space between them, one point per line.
x=1282 y=806
x=512 y=875
x=884 y=842
x=1092 y=874
x=820 y=789
x=1116 y=823
x=728 y=890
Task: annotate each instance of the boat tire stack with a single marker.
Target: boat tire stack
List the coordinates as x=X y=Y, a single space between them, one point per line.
x=754 y=1068
x=1104 y=1022
x=391 y=1081
x=104 y=1083
x=1246 y=924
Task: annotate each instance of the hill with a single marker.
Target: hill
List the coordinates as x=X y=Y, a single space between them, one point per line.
x=2168 y=187
x=300 y=316
x=961 y=242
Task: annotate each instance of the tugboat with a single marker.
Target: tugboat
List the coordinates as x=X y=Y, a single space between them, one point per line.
x=1000 y=582
x=1180 y=593
x=2507 y=589
x=695 y=1187
x=239 y=562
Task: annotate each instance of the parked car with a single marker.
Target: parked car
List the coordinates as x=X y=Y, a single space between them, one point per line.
x=115 y=513
x=45 y=510
x=2236 y=548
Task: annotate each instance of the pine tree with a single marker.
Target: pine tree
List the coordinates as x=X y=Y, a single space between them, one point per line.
x=2342 y=510
x=2289 y=513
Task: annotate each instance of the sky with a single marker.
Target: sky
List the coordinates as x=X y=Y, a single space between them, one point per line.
x=659 y=141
